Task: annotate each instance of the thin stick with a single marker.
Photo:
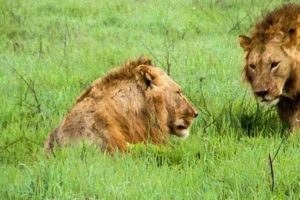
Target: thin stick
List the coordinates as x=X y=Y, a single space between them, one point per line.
x=30 y=86
x=271 y=161
x=10 y=144
x=272 y=173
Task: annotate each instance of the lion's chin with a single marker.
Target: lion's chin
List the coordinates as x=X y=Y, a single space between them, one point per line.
x=183 y=134
x=268 y=103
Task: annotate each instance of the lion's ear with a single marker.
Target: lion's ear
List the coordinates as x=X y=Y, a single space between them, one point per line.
x=245 y=42
x=145 y=76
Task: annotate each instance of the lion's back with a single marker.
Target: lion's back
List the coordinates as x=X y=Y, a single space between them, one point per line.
x=77 y=124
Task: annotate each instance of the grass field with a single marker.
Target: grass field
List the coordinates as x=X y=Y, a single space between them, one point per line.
x=51 y=50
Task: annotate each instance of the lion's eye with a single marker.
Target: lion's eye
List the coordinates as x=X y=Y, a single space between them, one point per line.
x=252 y=66
x=274 y=64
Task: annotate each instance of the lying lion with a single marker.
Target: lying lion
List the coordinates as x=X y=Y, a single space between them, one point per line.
x=135 y=103
x=272 y=66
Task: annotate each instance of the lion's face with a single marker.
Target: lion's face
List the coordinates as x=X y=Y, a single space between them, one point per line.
x=268 y=69
x=180 y=111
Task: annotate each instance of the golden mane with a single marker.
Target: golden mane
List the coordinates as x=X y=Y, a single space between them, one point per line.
x=125 y=72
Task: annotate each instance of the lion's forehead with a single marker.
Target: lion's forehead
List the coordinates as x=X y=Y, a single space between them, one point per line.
x=168 y=82
x=266 y=54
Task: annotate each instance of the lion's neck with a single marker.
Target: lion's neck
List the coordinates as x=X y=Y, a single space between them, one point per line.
x=292 y=86
x=143 y=117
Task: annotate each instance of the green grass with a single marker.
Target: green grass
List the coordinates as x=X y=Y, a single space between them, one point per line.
x=51 y=50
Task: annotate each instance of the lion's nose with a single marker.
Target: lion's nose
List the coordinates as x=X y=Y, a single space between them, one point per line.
x=261 y=93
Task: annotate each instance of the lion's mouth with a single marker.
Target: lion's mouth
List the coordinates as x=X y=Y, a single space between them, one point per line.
x=182 y=131
x=181 y=127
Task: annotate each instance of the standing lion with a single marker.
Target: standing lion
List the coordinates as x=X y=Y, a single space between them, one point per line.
x=272 y=66
x=135 y=103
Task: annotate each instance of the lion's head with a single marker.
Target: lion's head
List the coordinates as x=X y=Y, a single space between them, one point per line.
x=272 y=55
x=269 y=69
x=180 y=112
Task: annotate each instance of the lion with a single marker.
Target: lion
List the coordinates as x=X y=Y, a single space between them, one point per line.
x=136 y=103
x=272 y=66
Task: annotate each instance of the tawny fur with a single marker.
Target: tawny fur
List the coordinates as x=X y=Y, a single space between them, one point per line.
x=272 y=55
x=135 y=103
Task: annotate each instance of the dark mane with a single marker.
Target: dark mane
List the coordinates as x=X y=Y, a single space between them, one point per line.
x=281 y=20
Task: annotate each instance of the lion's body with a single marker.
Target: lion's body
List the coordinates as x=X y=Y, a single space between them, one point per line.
x=120 y=108
x=272 y=66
